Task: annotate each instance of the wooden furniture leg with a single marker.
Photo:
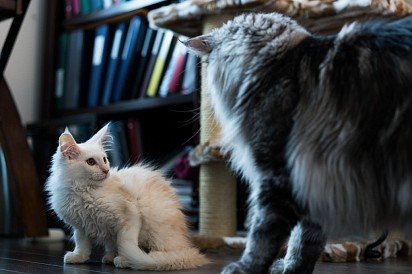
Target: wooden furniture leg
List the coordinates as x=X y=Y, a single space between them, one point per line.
x=23 y=179
x=24 y=184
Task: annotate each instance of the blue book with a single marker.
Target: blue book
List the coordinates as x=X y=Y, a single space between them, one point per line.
x=73 y=70
x=132 y=46
x=143 y=62
x=115 y=51
x=99 y=52
x=96 y=5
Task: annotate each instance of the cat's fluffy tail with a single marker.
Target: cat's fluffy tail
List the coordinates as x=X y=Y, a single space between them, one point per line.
x=164 y=260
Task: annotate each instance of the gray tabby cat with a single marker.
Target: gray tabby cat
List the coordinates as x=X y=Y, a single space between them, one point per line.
x=320 y=127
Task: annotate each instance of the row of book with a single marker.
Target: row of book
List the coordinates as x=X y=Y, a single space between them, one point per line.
x=121 y=62
x=75 y=8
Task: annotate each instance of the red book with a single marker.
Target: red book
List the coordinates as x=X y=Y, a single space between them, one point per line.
x=133 y=132
x=75 y=7
x=68 y=9
x=176 y=83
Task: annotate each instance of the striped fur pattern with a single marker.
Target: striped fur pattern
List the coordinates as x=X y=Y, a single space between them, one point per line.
x=320 y=127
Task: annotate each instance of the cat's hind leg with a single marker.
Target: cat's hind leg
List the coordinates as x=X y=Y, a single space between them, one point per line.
x=305 y=245
x=128 y=243
x=274 y=215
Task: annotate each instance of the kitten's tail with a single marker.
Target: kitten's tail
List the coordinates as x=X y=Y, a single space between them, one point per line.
x=164 y=260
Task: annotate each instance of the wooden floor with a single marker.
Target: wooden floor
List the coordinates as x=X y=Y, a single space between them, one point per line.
x=25 y=256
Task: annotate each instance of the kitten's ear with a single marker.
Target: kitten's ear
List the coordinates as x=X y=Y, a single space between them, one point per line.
x=68 y=146
x=200 y=45
x=102 y=137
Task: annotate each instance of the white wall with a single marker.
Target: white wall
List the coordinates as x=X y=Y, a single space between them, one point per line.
x=24 y=70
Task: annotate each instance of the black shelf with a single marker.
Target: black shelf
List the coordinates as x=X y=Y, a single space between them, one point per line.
x=91 y=114
x=113 y=14
x=134 y=105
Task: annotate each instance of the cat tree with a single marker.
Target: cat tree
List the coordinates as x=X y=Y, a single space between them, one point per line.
x=194 y=17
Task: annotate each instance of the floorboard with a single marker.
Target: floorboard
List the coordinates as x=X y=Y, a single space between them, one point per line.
x=26 y=256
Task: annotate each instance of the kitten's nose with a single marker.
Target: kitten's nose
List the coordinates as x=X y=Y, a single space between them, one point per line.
x=105 y=171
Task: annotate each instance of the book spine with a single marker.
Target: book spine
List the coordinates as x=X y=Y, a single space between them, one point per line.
x=60 y=71
x=159 y=65
x=68 y=9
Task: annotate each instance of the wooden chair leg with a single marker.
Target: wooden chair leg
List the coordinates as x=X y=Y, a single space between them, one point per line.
x=24 y=184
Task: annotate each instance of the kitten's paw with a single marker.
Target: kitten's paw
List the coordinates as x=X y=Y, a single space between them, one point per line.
x=75 y=258
x=108 y=258
x=121 y=262
x=239 y=268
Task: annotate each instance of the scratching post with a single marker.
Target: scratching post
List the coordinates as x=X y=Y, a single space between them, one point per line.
x=217 y=185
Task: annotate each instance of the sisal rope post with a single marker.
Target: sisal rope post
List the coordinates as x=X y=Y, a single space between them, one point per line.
x=217 y=185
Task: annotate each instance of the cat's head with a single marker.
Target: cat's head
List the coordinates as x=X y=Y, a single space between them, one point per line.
x=242 y=47
x=86 y=162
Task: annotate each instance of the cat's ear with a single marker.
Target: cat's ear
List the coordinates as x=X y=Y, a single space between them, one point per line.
x=68 y=146
x=102 y=137
x=200 y=45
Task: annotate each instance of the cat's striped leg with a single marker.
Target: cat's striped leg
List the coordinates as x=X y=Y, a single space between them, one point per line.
x=274 y=215
x=305 y=245
x=82 y=250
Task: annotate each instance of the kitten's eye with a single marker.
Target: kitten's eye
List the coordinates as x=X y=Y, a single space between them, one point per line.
x=104 y=159
x=91 y=162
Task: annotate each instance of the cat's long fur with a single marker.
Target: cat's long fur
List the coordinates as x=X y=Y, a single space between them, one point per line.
x=320 y=126
x=127 y=210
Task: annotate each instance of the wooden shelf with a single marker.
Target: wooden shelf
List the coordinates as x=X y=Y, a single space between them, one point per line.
x=113 y=14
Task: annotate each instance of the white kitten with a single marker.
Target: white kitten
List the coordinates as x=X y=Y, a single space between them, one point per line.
x=125 y=210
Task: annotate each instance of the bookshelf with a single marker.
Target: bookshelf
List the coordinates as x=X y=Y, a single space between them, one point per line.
x=167 y=124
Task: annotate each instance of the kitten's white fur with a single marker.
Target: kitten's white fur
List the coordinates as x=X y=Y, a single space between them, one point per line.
x=125 y=210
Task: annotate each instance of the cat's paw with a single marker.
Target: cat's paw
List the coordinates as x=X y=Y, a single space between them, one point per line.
x=278 y=267
x=121 y=262
x=238 y=268
x=290 y=267
x=75 y=258
x=108 y=258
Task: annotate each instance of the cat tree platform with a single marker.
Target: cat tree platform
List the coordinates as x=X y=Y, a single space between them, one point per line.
x=195 y=17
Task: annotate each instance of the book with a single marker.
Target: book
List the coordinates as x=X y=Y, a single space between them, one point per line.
x=86 y=56
x=144 y=60
x=107 y=4
x=135 y=62
x=135 y=144
x=160 y=64
x=190 y=75
x=174 y=72
x=75 y=7
x=151 y=63
x=115 y=51
x=73 y=70
x=135 y=33
x=99 y=52
x=119 y=155
x=96 y=5
x=60 y=70
x=178 y=73
x=68 y=9
x=84 y=7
